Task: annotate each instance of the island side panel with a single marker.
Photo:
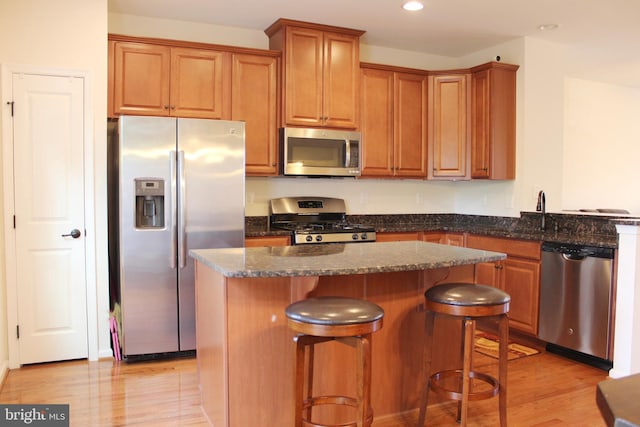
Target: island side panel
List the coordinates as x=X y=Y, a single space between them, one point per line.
x=398 y=346
x=211 y=343
x=260 y=352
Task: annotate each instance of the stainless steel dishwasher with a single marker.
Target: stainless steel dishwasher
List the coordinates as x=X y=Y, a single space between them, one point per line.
x=575 y=298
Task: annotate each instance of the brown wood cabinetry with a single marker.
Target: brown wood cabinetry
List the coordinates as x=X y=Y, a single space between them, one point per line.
x=449 y=126
x=160 y=80
x=320 y=73
x=261 y=241
x=518 y=275
x=254 y=98
x=493 y=115
x=445 y=238
x=393 y=121
x=174 y=78
x=390 y=236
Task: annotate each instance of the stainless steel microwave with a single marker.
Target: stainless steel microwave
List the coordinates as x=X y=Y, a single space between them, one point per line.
x=320 y=152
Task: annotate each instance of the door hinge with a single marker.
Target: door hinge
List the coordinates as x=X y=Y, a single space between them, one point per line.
x=10 y=103
x=18 y=331
x=14 y=222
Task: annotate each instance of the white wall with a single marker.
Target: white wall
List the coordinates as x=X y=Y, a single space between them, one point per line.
x=65 y=34
x=601 y=146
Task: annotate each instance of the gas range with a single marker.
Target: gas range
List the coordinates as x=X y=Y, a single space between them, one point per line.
x=314 y=220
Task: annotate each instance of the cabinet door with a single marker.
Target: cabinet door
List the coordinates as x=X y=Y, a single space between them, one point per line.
x=488 y=273
x=341 y=80
x=521 y=280
x=448 y=126
x=303 y=77
x=410 y=111
x=454 y=239
x=493 y=113
x=141 y=79
x=255 y=242
x=376 y=119
x=254 y=100
x=480 y=125
x=432 y=236
x=199 y=79
x=398 y=237
x=110 y=78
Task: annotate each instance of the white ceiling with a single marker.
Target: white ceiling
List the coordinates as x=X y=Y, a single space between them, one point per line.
x=607 y=32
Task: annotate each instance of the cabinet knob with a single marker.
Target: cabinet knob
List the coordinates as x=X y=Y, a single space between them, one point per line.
x=166 y=107
x=173 y=107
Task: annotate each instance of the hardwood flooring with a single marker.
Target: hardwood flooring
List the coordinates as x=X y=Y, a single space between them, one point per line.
x=544 y=390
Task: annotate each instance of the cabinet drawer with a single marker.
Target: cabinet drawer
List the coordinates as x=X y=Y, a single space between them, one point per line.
x=512 y=247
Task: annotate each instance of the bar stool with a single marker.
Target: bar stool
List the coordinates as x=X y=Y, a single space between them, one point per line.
x=468 y=302
x=322 y=319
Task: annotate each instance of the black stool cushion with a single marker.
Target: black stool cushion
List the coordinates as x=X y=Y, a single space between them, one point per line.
x=334 y=311
x=466 y=294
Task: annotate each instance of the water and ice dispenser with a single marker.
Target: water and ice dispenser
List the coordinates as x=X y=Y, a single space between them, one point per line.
x=149 y=203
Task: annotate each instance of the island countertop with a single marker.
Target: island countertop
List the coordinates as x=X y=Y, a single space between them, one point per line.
x=338 y=259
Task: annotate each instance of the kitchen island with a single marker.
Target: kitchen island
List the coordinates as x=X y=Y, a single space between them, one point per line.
x=245 y=350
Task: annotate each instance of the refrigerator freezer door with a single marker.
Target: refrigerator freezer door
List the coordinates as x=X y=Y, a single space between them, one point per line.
x=211 y=159
x=148 y=274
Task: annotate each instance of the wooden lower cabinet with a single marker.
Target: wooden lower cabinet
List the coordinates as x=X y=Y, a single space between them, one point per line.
x=444 y=238
x=518 y=275
x=398 y=236
x=261 y=241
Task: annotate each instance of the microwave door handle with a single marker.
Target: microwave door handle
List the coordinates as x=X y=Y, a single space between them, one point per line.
x=347 y=156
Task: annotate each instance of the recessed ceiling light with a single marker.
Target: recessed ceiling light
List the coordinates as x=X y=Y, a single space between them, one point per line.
x=547 y=27
x=412 y=5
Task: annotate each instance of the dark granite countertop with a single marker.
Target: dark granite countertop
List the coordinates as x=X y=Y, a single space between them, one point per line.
x=561 y=228
x=339 y=259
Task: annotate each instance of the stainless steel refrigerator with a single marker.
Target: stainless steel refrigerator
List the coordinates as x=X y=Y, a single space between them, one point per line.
x=181 y=187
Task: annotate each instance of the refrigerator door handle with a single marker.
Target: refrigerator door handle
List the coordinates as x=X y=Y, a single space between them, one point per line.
x=174 y=209
x=182 y=244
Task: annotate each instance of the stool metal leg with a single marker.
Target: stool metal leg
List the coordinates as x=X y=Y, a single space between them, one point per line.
x=426 y=366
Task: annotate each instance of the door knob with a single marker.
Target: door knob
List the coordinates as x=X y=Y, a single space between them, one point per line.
x=75 y=233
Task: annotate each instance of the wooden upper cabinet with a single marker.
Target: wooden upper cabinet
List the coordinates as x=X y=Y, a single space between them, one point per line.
x=141 y=79
x=376 y=122
x=493 y=115
x=254 y=98
x=199 y=79
x=393 y=121
x=410 y=118
x=158 y=80
x=449 y=126
x=110 y=78
x=321 y=73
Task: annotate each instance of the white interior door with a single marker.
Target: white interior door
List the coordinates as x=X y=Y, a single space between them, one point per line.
x=49 y=206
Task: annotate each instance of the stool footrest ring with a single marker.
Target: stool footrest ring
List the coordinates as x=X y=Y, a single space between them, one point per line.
x=438 y=387
x=333 y=400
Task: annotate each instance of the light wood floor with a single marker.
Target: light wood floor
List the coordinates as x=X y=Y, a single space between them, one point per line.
x=544 y=390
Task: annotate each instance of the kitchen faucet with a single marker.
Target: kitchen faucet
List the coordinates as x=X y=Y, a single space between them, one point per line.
x=541 y=207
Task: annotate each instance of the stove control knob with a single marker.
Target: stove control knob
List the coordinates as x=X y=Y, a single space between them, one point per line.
x=364 y=236
x=319 y=238
x=309 y=238
x=354 y=237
